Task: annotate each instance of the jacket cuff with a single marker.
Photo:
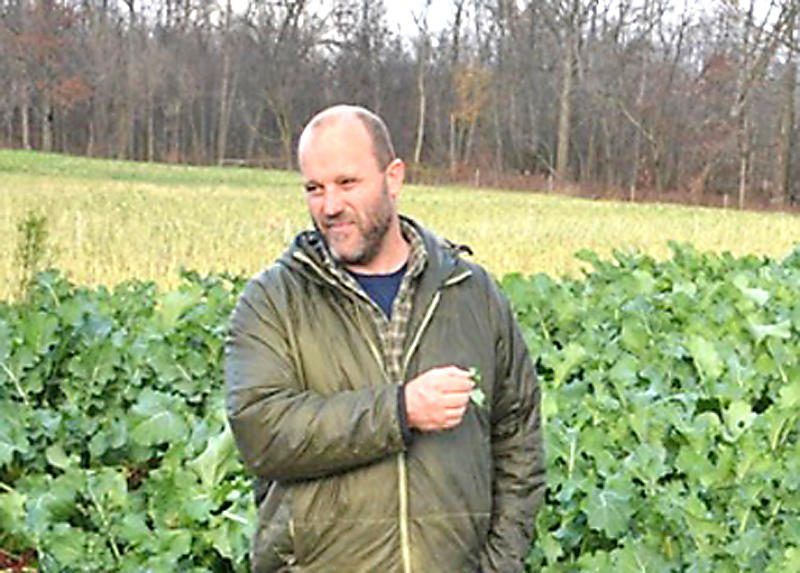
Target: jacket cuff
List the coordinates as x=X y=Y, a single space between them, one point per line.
x=402 y=415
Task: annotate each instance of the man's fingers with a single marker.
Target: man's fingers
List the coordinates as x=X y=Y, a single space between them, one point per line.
x=455 y=413
x=457 y=385
x=451 y=370
x=454 y=401
x=452 y=422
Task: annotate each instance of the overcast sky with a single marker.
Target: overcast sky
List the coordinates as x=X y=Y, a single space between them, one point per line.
x=399 y=13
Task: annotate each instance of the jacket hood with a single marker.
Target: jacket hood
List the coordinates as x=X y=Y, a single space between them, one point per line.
x=306 y=256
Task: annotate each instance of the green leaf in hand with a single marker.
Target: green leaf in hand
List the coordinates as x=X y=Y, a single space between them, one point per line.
x=476 y=396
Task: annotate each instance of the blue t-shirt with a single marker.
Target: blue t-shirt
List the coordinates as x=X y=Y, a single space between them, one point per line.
x=382 y=288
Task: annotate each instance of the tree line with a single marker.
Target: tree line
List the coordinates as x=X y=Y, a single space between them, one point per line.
x=645 y=96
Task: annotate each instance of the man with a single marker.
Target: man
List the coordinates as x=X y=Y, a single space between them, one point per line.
x=348 y=384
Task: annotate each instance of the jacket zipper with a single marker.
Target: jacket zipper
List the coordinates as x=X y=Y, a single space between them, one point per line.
x=405 y=544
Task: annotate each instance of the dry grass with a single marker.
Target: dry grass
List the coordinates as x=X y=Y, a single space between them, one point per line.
x=112 y=221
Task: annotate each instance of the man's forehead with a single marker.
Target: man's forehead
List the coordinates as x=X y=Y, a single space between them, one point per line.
x=340 y=136
x=341 y=124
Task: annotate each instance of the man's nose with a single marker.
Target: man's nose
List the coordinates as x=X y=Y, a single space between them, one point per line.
x=332 y=204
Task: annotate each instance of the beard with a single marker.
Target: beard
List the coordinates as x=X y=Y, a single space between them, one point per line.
x=371 y=226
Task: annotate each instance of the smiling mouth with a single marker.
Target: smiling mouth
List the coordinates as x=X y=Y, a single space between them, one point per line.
x=338 y=225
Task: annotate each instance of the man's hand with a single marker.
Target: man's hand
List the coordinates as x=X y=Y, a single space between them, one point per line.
x=437 y=398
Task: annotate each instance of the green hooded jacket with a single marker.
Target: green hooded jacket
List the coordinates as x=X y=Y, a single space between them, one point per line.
x=318 y=423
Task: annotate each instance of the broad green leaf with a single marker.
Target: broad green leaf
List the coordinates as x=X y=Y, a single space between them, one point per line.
x=608 y=511
x=67 y=545
x=597 y=562
x=705 y=356
x=780 y=330
x=647 y=462
x=551 y=547
x=161 y=427
x=109 y=488
x=570 y=358
x=12 y=510
x=747 y=545
x=635 y=337
x=790 y=395
x=172 y=305
x=161 y=424
x=39 y=332
x=635 y=557
x=645 y=283
x=173 y=543
x=133 y=529
x=738 y=418
x=757 y=295
x=57 y=457
x=216 y=460
x=696 y=466
x=791 y=559
x=624 y=372
x=5 y=340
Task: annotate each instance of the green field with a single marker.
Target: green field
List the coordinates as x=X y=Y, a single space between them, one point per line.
x=109 y=221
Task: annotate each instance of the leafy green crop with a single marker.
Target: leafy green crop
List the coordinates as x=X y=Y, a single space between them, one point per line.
x=671 y=398
x=114 y=452
x=671 y=406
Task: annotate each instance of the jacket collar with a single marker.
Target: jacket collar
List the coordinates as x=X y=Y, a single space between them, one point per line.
x=309 y=255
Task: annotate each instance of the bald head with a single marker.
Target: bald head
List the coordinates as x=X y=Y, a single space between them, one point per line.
x=382 y=147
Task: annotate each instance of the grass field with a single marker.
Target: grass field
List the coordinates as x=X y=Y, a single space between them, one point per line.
x=109 y=221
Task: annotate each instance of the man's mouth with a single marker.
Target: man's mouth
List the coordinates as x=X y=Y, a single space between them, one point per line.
x=338 y=225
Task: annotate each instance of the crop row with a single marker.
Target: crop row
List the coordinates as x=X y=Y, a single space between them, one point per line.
x=670 y=403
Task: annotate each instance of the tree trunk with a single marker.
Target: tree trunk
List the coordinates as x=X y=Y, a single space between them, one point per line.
x=421 y=106
x=565 y=110
x=452 y=144
x=637 y=141
x=742 y=124
x=150 y=142
x=9 y=126
x=588 y=174
x=783 y=187
x=47 y=123
x=744 y=158
x=90 y=140
x=498 y=139
x=26 y=124
x=222 y=129
x=224 y=95
x=285 y=127
x=470 y=135
x=253 y=133
x=177 y=149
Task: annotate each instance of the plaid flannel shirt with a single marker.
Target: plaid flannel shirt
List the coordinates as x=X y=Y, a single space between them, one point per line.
x=392 y=332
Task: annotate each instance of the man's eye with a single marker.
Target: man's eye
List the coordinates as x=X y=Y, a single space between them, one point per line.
x=312 y=188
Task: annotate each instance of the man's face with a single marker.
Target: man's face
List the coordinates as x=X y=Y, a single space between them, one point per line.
x=350 y=199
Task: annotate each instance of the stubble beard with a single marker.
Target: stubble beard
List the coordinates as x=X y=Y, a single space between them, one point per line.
x=373 y=229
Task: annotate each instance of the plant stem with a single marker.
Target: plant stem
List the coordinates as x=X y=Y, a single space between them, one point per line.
x=14 y=379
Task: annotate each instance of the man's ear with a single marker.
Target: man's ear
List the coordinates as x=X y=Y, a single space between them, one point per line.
x=395 y=175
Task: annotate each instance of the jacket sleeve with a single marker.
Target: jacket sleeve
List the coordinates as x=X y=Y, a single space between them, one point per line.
x=517 y=450
x=286 y=432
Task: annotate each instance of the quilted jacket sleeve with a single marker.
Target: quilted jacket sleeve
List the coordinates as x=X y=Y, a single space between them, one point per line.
x=283 y=431
x=517 y=450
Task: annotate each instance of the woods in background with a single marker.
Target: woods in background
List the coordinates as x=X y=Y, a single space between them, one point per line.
x=645 y=96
